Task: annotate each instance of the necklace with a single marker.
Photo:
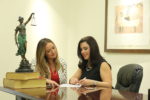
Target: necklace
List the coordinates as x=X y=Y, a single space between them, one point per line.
x=88 y=68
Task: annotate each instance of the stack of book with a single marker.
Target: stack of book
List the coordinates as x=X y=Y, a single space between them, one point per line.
x=23 y=80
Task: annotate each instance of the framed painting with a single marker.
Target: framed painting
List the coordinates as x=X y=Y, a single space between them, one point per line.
x=127 y=26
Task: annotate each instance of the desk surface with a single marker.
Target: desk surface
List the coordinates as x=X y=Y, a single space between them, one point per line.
x=74 y=94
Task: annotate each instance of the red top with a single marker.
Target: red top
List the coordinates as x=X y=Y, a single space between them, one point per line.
x=54 y=76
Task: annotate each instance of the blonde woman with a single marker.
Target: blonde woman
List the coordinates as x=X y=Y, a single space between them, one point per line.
x=48 y=63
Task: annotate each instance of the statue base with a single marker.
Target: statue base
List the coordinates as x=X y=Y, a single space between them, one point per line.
x=25 y=66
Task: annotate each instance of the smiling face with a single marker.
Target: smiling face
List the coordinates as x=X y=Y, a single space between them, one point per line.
x=85 y=50
x=50 y=51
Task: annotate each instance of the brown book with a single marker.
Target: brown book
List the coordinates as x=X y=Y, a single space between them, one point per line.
x=22 y=76
x=31 y=83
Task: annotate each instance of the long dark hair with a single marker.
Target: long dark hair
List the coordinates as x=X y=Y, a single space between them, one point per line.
x=95 y=56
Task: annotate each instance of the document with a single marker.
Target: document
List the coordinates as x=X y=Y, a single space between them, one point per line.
x=70 y=85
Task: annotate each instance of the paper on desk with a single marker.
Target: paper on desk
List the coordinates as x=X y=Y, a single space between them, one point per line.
x=70 y=85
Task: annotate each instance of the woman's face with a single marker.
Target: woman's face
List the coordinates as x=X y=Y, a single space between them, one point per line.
x=50 y=51
x=85 y=50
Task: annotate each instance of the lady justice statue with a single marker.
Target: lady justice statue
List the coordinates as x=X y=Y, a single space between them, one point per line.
x=21 y=42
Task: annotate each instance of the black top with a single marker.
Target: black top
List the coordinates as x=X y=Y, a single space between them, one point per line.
x=93 y=73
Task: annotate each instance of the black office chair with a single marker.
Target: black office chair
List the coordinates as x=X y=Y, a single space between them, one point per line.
x=129 y=77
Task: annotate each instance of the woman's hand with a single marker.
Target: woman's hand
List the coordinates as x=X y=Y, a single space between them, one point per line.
x=86 y=82
x=52 y=83
x=74 y=81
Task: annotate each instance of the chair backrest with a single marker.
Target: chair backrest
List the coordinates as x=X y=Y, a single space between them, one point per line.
x=129 y=77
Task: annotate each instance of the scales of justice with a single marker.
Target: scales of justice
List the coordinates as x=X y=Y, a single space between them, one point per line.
x=21 y=42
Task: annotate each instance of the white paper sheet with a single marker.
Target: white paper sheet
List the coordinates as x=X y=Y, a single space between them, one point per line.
x=70 y=85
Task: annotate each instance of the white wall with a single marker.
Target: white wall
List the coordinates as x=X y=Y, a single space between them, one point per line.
x=65 y=22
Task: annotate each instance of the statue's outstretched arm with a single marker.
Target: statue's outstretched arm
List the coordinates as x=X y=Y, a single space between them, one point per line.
x=29 y=18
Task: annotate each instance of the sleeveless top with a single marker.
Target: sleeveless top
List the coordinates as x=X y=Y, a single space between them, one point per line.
x=93 y=73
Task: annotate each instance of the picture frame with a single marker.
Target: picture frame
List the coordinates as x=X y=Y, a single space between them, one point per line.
x=127 y=26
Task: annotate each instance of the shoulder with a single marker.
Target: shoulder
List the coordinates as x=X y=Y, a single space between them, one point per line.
x=105 y=66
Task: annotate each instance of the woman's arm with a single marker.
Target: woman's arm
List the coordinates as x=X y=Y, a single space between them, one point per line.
x=75 y=78
x=49 y=82
x=52 y=83
x=105 y=74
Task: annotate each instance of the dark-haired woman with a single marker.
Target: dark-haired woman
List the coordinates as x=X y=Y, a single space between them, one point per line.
x=93 y=69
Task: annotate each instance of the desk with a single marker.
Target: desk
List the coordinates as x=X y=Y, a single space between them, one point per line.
x=73 y=94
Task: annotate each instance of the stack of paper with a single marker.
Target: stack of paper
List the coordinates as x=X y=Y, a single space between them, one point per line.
x=70 y=85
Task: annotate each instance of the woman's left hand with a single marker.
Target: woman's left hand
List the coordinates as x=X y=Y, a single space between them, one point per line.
x=86 y=82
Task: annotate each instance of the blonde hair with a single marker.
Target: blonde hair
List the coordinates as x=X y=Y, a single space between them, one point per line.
x=41 y=61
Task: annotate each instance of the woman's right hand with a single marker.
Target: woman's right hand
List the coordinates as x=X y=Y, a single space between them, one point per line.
x=74 y=81
x=52 y=83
